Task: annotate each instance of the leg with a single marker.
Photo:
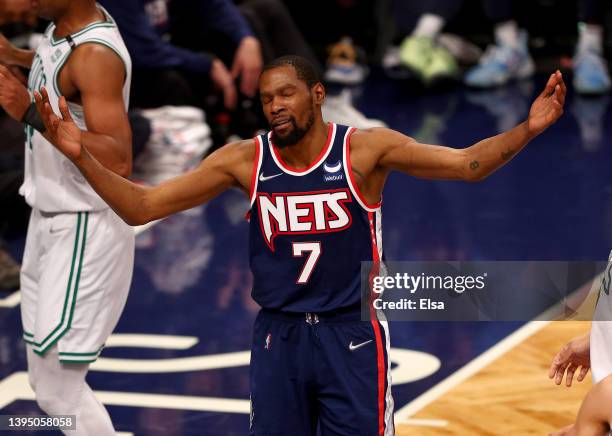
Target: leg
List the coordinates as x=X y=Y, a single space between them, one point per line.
x=281 y=389
x=273 y=24
x=61 y=390
x=355 y=394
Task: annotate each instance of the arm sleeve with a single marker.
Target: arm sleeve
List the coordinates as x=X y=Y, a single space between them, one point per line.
x=146 y=46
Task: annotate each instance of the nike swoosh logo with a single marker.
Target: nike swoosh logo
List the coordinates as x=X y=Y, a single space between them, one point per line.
x=263 y=178
x=354 y=347
x=332 y=169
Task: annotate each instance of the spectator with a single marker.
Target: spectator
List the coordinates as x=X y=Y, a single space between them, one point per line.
x=280 y=35
x=166 y=73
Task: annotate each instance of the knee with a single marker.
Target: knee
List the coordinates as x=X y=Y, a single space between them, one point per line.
x=52 y=400
x=47 y=402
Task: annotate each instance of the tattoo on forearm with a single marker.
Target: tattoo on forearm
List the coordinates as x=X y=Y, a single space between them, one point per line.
x=474 y=165
x=356 y=171
x=507 y=154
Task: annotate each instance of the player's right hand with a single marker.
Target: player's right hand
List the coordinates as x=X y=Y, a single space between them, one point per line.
x=575 y=354
x=62 y=132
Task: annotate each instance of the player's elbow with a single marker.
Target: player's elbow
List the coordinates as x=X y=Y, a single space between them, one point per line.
x=135 y=220
x=473 y=177
x=124 y=169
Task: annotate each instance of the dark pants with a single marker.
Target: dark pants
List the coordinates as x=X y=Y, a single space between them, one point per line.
x=326 y=371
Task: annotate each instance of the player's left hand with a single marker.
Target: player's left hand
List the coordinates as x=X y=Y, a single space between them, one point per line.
x=575 y=354
x=14 y=97
x=248 y=64
x=548 y=107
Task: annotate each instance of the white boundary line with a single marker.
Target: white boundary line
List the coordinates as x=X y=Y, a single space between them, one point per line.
x=13 y=299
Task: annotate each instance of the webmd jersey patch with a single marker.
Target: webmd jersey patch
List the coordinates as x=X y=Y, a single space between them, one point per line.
x=333 y=172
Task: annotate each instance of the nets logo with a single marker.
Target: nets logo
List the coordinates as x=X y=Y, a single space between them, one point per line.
x=301 y=213
x=332 y=172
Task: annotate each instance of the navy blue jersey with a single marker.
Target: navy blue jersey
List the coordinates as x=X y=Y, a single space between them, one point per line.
x=310 y=229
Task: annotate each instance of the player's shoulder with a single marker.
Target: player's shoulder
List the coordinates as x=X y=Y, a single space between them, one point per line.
x=91 y=57
x=376 y=137
x=237 y=151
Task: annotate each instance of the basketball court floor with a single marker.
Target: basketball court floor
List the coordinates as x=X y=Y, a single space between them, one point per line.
x=178 y=362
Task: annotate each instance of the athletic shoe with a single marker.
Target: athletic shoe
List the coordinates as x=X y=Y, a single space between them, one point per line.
x=339 y=109
x=501 y=64
x=442 y=66
x=415 y=53
x=9 y=272
x=343 y=65
x=590 y=73
x=427 y=60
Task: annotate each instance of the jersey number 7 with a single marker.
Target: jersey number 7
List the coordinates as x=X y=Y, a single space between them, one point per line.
x=314 y=250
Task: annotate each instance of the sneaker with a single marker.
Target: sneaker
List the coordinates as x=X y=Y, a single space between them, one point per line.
x=342 y=64
x=501 y=64
x=590 y=73
x=415 y=53
x=442 y=66
x=428 y=60
x=9 y=271
x=339 y=109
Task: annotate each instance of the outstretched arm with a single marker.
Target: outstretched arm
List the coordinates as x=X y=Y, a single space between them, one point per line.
x=401 y=153
x=227 y=167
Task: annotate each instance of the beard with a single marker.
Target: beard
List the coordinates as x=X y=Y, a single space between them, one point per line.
x=295 y=134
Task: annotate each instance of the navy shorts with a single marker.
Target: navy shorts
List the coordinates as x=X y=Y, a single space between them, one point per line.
x=328 y=373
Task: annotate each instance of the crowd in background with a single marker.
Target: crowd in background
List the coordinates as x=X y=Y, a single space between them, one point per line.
x=196 y=65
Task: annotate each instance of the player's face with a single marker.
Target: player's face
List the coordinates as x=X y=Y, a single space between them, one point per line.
x=288 y=104
x=49 y=9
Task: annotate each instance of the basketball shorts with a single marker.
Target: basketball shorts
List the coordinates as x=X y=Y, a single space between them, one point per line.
x=320 y=371
x=75 y=278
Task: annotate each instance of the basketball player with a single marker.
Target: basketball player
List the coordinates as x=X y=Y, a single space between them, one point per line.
x=591 y=350
x=78 y=257
x=315 y=192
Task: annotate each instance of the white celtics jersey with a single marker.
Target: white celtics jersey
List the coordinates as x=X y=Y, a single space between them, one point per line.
x=52 y=183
